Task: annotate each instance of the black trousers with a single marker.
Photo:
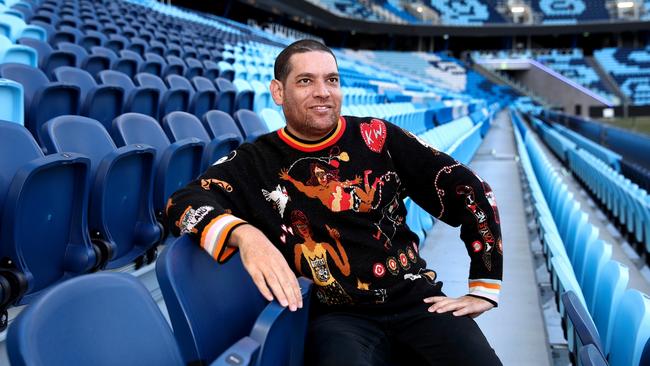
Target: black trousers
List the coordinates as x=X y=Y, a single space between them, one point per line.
x=411 y=337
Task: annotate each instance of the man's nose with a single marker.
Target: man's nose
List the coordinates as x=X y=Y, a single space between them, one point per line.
x=321 y=90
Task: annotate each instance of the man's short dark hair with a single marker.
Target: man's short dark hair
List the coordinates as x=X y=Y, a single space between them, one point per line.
x=282 y=66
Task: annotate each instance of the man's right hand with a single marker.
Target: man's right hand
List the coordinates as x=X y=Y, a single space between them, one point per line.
x=266 y=266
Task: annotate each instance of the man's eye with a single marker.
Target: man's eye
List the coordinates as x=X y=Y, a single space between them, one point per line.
x=334 y=80
x=303 y=81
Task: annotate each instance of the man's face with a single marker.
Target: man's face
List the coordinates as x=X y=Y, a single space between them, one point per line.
x=311 y=95
x=321 y=175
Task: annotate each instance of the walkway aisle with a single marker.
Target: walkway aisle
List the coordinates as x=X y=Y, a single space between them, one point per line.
x=516 y=328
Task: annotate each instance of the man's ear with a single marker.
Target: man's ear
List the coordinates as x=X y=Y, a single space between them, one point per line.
x=277 y=91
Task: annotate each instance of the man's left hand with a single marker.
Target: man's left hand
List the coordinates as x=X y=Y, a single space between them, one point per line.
x=464 y=305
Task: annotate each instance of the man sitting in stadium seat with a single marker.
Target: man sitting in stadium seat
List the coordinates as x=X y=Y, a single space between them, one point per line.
x=323 y=198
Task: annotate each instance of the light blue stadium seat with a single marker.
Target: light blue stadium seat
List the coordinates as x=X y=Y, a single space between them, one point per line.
x=17 y=53
x=43 y=100
x=250 y=125
x=273 y=119
x=14 y=27
x=631 y=329
x=226 y=70
x=101 y=319
x=262 y=96
x=44 y=235
x=598 y=253
x=11 y=100
x=206 y=323
x=611 y=286
x=120 y=210
x=176 y=164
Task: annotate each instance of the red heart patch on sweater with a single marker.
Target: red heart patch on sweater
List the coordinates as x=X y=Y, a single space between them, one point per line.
x=374 y=134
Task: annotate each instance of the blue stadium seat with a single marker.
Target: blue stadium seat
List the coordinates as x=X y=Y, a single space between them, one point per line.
x=65 y=34
x=42 y=100
x=100 y=102
x=14 y=27
x=245 y=95
x=200 y=101
x=153 y=64
x=206 y=323
x=581 y=330
x=11 y=100
x=631 y=330
x=93 y=63
x=43 y=235
x=17 y=53
x=116 y=43
x=138 y=45
x=130 y=62
x=210 y=69
x=170 y=99
x=176 y=164
x=92 y=38
x=100 y=319
x=137 y=99
x=182 y=125
x=226 y=70
x=175 y=66
x=120 y=212
x=194 y=68
x=227 y=94
x=250 y=125
x=48 y=58
x=611 y=286
x=591 y=356
x=262 y=96
x=126 y=65
x=220 y=125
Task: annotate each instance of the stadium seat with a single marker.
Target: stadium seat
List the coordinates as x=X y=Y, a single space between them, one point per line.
x=201 y=101
x=182 y=125
x=175 y=66
x=262 y=96
x=250 y=125
x=11 y=98
x=210 y=69
x=153 y=64
x=48 y=58
x=596 y=256
x=137 y=99
x=226 y=70
x=92 y=38
x=581 y=330
x=176 y=164
x=125 y=65
x=273 y=119
x=611 y=286
x=120 y=211
x=43 y=235
x=100 y=319
x=17 y=53
x=589 y=355
x=220 y=125
x=14 y=27
x=245 y=95
x=65 y=34
x=631 y=329
x=227 y=95
x=206 y=323
x=100 y=102
x=43 y=100
x=194 y=68
x=93 y=63
x=170 y=99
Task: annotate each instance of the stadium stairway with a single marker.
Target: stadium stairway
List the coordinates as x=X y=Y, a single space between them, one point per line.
x=495 y=161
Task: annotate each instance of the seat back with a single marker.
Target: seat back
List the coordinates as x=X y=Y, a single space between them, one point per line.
x=631 y=332
x=11 y=98
x=100 y=319
x=136 y=128
x=597 y=255
x=584 y=330
x=220 y=124
x=182 y=125
x=206 y=322
x=250 y=124
x=591 y=356
x=611 y=286
x=116 y=78
x=32 y=216
x=273 y=119
x=77 y=77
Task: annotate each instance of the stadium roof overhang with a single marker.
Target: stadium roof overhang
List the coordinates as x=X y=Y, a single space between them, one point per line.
x=314 y=15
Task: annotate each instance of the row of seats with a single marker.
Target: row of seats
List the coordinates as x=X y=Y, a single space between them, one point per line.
x=112 y=187
x=589 y=286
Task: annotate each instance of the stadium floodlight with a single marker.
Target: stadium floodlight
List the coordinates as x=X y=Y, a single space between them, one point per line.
x=625 y=4
x=419 y=9
x=517 y=9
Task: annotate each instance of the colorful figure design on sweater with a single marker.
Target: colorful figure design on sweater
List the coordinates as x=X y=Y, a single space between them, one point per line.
x=329 y=291
x=325 y=185
x=389 y=214
x=481 y=221
x=279 y=197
